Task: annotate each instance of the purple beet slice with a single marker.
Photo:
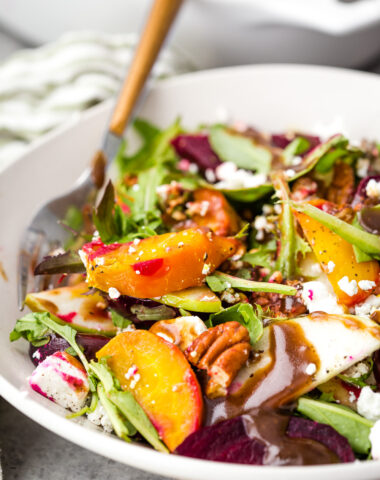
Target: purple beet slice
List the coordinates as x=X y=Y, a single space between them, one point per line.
x=303 y=428
x=361 y=194
x=226 y=441
x=197 y=149
x=281 y=140
x=90 y=343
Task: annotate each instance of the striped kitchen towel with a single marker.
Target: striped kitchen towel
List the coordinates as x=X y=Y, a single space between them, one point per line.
x=44 y=87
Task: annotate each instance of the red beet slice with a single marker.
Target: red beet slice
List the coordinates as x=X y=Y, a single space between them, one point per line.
x=224 y=442
x=282 y=141
x=197 y=149
x=361 y=194
x=303 y=428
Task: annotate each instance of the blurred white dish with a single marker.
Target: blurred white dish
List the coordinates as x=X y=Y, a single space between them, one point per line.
x=269 y=97
x=222 y=32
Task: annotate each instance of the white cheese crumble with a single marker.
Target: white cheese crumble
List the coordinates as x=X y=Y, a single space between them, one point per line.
x=311 y=369
x=373 y=188
x=61 y=381
x=374 y=438
x=131 y=249
x=113 y=293
x=290 y=173
x=350 y=288
x=362 y=166
x=366 y=284
x=357 y=370
x=369 y=306
x=319 y=296
x=136 y=241
x=99 y=417
x=330 y=266
x=230 y=177
x=369 y=404
x=297 y=160
x=262 y=226
x=210 y=175
x=83 y=257
x=100 y=261
x=206 y=269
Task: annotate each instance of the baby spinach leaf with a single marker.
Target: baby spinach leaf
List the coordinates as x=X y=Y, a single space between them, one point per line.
x=228 y=281
x=232 y=147
x=344 y=420
x=246 y=315
x=68 y=262
x=130 y=408
x=367 y=242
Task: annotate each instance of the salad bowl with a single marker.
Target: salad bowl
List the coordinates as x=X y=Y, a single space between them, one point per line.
x=318 y=100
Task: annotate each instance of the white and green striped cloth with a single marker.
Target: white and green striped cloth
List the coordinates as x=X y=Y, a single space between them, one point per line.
x=42 y=88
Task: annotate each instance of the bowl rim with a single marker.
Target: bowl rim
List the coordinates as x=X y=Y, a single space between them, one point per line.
x=136 y=455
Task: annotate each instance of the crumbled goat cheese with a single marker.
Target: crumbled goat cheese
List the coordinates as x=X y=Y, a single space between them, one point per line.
x=369 y=404
x=131 y=372
x=206 y=269
x=136 y=377
x=374 y=438
x=278 y=208
x=60 y=381
x=319 y=296
x=180 y=244
x=83 y=257
x=362 y=166
x=210 y=175
x=193 y=168
x=267 y=209
x=262 y=226
x=290 y=173
x=99 y=417
x=297 y=160
x=351 y=397
x=131 y=249
x=348 y=287
x=370 y=305
x=366 y=284
x=36 y=354
x=230 y=177
x=136 y=241
x=100 y=261
x=230 y=297
x=330 y=266
x=113 y=293
x=95 y=236
x=373 y=188
x=311 y=369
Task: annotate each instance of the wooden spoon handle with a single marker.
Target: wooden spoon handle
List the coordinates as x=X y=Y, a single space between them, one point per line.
x=161 y=17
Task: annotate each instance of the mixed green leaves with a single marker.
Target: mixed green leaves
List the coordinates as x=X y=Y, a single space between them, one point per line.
x=240 y=150
x=245 y=314
x=119 y=320
x=68 y=262
x=344 y=420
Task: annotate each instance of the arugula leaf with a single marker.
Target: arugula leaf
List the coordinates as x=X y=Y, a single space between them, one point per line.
x=118 y=320
x=68 y=262
x=240 y=150
x=263 y=255
x=219 y=281
x=298 y=146
x=344 y=420
x=31 y=329
x=367 y=242
x=245 y=314
x=123 y=427
x=156 y=148
x=130 y=408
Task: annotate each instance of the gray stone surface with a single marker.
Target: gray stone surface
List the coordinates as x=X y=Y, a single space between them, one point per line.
x=30 y=452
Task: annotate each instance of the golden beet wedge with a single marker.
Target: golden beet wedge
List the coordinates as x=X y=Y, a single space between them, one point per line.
x=328 y=246
x=157 y=265
x=161 y=380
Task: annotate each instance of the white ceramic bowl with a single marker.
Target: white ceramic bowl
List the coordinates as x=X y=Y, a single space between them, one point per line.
x=216 y=33
x=269 y=97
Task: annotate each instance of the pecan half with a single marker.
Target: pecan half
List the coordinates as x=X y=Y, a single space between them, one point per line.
x=221 y=351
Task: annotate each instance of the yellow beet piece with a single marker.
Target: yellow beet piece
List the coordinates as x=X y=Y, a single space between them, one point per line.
x=330 y=247
x=157 y=265
x=162 y=381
